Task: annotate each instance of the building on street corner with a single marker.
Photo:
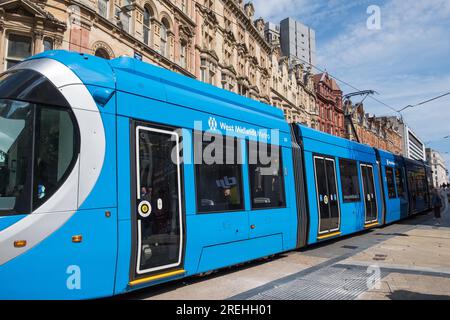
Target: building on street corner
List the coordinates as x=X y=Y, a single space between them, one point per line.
x=216 y=41
x=437 y=163
x=219 y=42
x=329 y=101
x=378 y=132
x=413 y=146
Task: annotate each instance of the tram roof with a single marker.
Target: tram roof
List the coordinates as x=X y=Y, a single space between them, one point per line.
x=315 y=135
x=136 y=77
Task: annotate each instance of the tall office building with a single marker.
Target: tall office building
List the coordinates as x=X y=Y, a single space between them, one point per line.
x=298 y=40
x=414 y=147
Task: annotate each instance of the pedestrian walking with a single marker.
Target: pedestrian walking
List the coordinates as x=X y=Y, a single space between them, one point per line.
x=437 y=205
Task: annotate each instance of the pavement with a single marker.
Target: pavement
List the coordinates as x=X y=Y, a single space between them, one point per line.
x=408 y=260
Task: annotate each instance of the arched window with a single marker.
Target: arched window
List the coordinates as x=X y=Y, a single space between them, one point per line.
x=148 y=15
x=164 y=38
x=102 y=53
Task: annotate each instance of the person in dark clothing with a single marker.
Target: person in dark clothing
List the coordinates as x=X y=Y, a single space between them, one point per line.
x=437 y=205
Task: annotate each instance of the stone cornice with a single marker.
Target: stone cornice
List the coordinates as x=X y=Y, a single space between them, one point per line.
x=37 y=11
x=244 y=19
x=135 y=43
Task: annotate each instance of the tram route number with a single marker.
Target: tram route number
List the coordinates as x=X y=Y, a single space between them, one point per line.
x=225 y=310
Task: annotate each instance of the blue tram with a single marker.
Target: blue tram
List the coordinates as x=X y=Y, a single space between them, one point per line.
x=102 y=191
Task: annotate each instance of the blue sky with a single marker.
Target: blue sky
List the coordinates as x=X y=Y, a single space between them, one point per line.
x=407 y=61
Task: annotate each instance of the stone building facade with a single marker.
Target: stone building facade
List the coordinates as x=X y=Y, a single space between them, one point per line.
x=329 y=102
x=215 y=41
x=439 y=171
x=378 y=132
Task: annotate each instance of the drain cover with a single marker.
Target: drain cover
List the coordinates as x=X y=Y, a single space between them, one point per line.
x=350 y=247
x=380 y=257
x=331 y=283
x=392 y=234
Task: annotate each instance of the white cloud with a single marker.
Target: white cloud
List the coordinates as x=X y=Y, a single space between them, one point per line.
x=412 y=32
x=311 y=10
x=276 y=10
x=407 y=61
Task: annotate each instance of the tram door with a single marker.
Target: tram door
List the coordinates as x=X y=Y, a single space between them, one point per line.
x=158 y=205
x=370 y=198
x=328 y=200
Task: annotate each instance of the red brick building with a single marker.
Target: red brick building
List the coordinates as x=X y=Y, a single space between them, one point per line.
x=329 y=102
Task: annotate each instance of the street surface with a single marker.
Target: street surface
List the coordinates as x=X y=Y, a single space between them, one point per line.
x=408 y=260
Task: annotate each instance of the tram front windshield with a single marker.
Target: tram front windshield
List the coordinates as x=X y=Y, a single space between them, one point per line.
x=38 y=141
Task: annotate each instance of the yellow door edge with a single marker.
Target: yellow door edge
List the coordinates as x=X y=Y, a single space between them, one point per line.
x=371 y=225
x=330 y=235
x=156 y=277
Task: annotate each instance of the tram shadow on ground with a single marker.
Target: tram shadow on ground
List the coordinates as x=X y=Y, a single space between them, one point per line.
x=427 y=219
x=424 y=219
x=149 y=292
x=409 y=295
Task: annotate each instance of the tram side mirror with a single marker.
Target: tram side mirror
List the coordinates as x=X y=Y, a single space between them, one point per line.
x=102 y=96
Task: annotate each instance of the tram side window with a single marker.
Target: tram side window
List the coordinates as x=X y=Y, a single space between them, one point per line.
x=349 y=180
x=400 y=183
x=417 y=183
x=266 y=176
x=219 y=176
x=55 y=149
x=412 y=183
x=390 y=183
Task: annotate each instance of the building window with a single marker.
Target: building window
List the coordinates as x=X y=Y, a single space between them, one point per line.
x=48 y=44
x=183 y=55
x=390 y=183
x=266 y=180
x=203 y=75
x=219 y=176
x=164 y=38
x=349 y=180
x=126 y=22
x=19 y=48
x=103 y=8
x=148 y=15
x=212 y=78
